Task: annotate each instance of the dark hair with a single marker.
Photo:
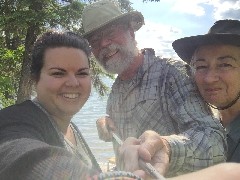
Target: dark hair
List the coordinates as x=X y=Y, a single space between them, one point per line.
x=53 y=39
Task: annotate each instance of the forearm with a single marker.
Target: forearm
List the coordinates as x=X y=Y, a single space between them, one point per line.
x=196 y=150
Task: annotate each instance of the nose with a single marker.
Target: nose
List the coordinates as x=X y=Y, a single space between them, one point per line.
x=72 y=81
x=211 y=76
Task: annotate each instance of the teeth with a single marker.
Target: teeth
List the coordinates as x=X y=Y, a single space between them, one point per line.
x=110 y=54
x=71 y=96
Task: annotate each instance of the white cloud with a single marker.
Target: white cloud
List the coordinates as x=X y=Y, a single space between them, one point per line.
x=223 y=9
x=157 y=36
x=192 y=7
x=226 y=9
x=194 y=15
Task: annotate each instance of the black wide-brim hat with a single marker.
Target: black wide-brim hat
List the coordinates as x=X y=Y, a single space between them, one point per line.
x=222 y=32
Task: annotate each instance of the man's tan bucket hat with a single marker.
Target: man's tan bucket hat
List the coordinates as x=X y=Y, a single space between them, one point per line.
x=102 y=13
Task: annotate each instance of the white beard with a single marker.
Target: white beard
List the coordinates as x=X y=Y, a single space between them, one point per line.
x=124 y=58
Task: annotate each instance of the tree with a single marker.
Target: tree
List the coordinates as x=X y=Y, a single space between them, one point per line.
x=9 y=74
x=21 y=21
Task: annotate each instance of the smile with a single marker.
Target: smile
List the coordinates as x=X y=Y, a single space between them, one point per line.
x=71 y=95
x=111 y=54
x=212 y=90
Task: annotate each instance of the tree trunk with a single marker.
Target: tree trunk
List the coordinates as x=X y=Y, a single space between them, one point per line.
x=25 y=84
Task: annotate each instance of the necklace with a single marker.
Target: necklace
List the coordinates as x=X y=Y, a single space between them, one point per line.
x=227 y=106
x=79 y=149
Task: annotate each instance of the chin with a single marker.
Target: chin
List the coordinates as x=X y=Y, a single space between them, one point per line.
x=70 y=114
x=71 y=111
x=212 y=99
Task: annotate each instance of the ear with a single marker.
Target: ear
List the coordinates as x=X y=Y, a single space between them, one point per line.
x=34 y=88
x=132 y=33
x=34 y=81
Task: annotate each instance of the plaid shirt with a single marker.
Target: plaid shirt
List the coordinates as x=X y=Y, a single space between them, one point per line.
x=162 y=97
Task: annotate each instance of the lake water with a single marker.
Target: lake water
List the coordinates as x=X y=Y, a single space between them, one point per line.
x=94 y=108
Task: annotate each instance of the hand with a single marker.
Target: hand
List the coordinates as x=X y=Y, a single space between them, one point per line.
x=105 y=126
x=150 y=147
x=155 y=149
x=132 y=150
x=128 y=155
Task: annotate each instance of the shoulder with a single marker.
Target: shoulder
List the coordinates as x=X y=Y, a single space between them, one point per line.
x=23 y=109
x=178 y=69
x=176 y=64
x=26 y=120
x=26 y=112
x=171 y=67
x=149 y=54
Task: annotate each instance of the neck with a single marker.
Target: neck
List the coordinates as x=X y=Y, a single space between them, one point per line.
x=61 y=120
x=62 y=123
x=133 y=68
x=229 y=114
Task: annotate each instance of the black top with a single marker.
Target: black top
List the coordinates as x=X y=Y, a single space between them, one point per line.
x=30 y=147
x=233 y=139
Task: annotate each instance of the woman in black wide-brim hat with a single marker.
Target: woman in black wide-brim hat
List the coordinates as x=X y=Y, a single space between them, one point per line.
x=215 y=61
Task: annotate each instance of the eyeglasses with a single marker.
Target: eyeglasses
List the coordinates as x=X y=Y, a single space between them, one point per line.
x=109 y=33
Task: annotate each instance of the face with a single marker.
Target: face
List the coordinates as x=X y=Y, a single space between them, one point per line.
x=217 y=73
x=65 y=84
x=114 y=47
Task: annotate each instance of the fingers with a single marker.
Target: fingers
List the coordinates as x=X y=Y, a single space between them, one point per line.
x=154 y=149
x=151 y=142
x=104 y=126
x=160 y=161
x=128 y=155
x=110 y=123
x=140 y=173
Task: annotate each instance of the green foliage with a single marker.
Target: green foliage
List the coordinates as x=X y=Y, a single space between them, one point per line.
x=10 y=67
x=96 y=77
x=21 y=21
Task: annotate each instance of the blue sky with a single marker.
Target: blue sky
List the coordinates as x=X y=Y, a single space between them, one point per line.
x=168 y=20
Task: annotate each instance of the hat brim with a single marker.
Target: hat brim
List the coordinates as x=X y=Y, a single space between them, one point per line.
x=185 y=47
x=133 y=16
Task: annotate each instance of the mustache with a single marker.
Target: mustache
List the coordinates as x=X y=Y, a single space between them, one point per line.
x=108 y=49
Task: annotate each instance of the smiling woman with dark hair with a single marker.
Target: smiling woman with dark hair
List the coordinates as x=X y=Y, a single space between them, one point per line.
x=37 y=138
